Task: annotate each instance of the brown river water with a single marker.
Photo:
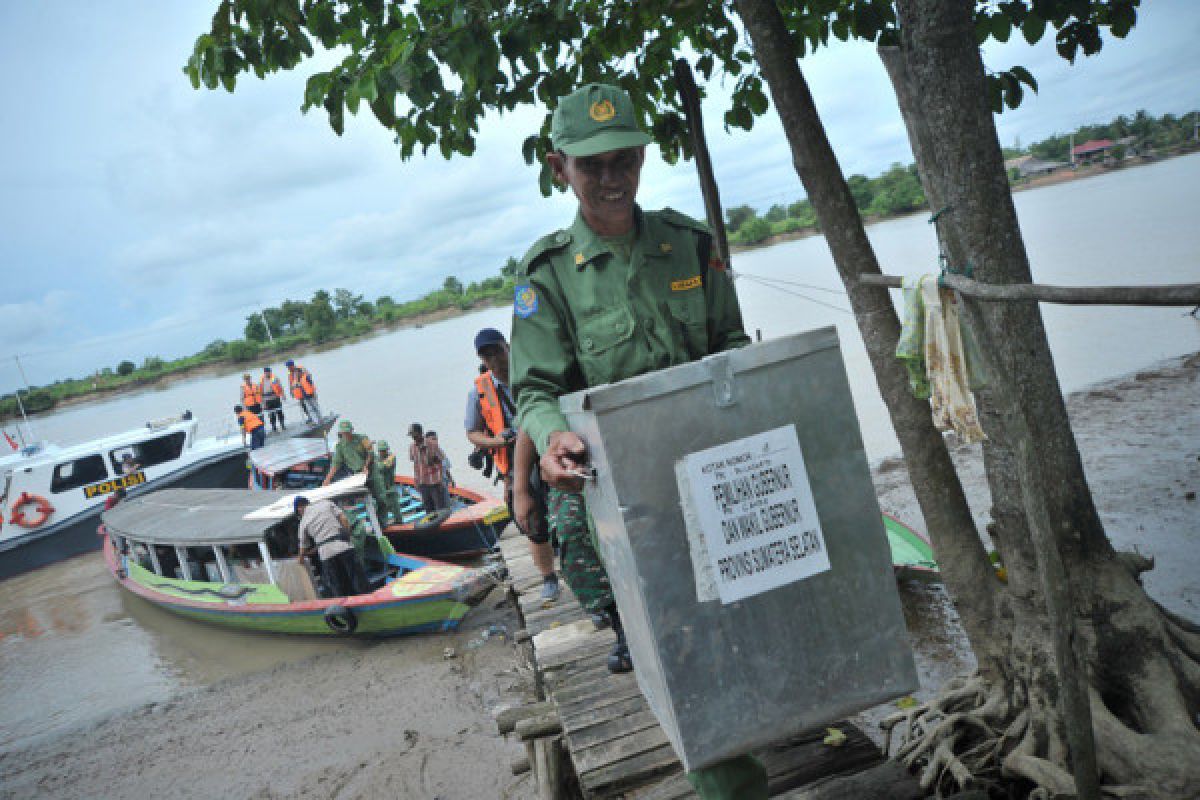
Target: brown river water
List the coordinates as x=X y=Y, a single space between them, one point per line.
x=74 y=648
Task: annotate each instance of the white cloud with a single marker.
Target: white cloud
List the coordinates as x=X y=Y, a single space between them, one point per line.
x=192 y=207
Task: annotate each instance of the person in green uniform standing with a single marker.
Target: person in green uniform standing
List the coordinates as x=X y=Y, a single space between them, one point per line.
x=352 y=454
x=385 y=467
x=619 y=293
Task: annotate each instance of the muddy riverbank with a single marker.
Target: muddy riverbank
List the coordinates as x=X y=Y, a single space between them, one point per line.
x=397 y=719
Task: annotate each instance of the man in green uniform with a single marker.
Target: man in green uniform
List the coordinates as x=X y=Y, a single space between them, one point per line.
x=619 y=293
x=353 y=454
x=385 y=468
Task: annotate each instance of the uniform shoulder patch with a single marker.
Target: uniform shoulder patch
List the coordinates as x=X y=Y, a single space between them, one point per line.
x=543 y=246
x=680 y=220
x=525 y=300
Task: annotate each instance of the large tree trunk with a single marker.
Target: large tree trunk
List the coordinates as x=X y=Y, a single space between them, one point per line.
x=967 y=572
x=1141 y=665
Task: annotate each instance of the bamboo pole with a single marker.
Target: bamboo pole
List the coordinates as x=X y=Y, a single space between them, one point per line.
x=1180 y=294
x=685 y=83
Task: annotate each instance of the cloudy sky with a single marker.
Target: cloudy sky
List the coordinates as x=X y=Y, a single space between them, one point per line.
x=141 y=217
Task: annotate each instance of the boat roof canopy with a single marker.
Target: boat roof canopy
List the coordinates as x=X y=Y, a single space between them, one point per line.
x=199 y=517
x=280 y=456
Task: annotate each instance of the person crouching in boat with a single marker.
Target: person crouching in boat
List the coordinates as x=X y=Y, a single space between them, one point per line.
x=251 y=424
x=326 y=527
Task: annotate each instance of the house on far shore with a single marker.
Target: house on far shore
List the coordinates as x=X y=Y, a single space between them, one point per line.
x=1031 y=167
x=1092 y=151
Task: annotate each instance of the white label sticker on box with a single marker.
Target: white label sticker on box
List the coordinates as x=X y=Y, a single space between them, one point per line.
x=751 y=518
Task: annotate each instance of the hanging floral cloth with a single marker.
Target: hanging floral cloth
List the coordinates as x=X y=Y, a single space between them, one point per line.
x=941 y=357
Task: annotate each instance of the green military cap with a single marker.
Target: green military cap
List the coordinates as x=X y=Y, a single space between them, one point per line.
x=345 y=426
x=595 y=119
x=383 y=446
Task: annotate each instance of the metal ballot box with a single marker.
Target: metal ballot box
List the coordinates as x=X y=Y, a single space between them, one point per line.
x=735 y=513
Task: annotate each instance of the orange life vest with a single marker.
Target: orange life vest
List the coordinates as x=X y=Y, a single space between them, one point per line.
x=301 y=382
x=251 y=394
x=270 y=385
x=492 y=411
x=250 y=421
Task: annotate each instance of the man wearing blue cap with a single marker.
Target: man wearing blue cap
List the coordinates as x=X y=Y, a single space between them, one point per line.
x=619 y=293
x=491 y=427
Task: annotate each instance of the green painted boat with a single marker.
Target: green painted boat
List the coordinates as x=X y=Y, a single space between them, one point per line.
x=912 y=553
x=228 y=557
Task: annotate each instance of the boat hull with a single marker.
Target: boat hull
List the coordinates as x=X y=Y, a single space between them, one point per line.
x=76 y=535
x=468 y=532
x=384 y=613
x=912 y=553
x=448 y=541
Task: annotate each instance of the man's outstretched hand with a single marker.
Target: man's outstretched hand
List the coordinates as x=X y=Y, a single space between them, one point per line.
x=565 y=455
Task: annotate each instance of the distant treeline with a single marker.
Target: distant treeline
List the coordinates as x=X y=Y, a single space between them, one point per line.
x=293 y=325
x=1164 y=133
x=898 y=191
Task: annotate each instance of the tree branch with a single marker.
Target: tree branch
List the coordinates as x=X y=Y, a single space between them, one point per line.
x=1183 y=294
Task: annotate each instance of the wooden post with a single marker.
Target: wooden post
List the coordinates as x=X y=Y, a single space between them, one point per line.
x=685 y=83
x=547 y=769
x=222 y=564
x=184 y=569
x=154 y=560
x=266 y=557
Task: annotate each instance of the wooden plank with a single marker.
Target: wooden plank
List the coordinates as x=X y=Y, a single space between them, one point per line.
x=635 y=771
x=674 y=786
x=608 y=730
x=610 y=753
x=606 y=686
x=596 y=649
x=885 y=781
x=806 y=761
x=586 y=717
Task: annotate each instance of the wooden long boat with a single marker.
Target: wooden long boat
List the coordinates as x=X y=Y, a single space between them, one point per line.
x=470 y=527
x=229 y=557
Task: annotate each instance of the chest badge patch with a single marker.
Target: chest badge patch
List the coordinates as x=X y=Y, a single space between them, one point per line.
x=525 y=301
x=694 y=282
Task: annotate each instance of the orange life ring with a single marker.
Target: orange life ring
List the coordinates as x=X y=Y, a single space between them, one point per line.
x=44 y=510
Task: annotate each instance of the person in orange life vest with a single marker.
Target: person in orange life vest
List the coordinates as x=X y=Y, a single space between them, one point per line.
x=251 y=395
x=271 y=391
x=304 y=390
x=252 y=424
x=491 y=426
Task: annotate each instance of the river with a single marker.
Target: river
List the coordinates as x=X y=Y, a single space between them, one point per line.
x=74 y=648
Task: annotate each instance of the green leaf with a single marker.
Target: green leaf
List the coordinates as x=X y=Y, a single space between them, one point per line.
x=1024 y=76
x=366 y=87
x=1001 y=27
x=983 y=28
x=1032 y=28
x=1122 y=18
x=1013 y=93
x=756 y=101
x=546 y=180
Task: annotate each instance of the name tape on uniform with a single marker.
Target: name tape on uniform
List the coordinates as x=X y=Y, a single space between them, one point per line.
x=751 y=521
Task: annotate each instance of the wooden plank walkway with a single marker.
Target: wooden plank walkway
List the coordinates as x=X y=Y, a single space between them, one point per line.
x=592 y=735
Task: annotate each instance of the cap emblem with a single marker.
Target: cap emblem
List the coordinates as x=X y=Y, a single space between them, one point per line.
x=602 y=111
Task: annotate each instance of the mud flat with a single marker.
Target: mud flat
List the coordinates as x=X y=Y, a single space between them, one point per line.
x=397 y=719
x=1139 y=437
